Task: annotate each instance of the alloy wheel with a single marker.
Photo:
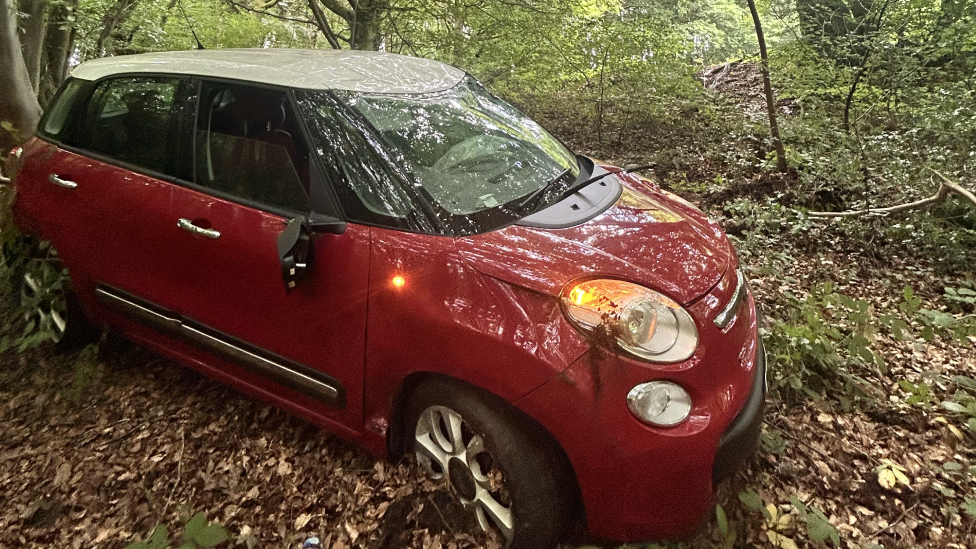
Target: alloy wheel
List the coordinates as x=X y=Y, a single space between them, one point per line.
x=43 y=295
x=451 y=451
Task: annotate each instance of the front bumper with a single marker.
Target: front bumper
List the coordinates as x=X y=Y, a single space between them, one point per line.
x=639 y=482
x=742 y=437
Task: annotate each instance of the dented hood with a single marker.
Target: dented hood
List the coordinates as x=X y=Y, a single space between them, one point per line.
x=644 y=237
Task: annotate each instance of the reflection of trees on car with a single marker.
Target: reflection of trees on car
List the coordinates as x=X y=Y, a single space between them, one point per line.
x=468 y=149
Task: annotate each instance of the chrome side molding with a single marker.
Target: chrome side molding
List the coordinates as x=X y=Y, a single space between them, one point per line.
x=278 y=369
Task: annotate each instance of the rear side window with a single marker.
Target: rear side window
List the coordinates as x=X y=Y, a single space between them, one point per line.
x=133 y=120
x=55 y=123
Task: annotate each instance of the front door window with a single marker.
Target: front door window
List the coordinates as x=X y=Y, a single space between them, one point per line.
x=246 y=147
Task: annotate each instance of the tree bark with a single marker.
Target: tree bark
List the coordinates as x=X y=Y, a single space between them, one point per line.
x=768 y=88
x=19 y=110
x=32 y=39
x=58 y=45
x=364 y=18
x=365 y=29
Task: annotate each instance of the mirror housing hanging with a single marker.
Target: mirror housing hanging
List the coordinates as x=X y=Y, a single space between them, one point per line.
x=295 y=252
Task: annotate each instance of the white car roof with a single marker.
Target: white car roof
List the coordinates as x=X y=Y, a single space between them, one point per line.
x=353 y=70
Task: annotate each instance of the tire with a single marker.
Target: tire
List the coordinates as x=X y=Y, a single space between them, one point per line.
x=508 y=470
x=45 y=297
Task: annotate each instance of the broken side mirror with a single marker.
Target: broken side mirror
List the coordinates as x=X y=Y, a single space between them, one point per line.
x=295 y=252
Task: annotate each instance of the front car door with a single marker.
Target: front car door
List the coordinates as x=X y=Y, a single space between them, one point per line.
x=252 y=174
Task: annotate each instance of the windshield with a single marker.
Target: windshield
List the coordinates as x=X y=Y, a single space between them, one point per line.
x=469 y=150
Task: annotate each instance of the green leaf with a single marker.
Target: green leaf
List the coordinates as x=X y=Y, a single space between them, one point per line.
x=969 y=506
x=820 y=529
x=210 y=535
x=7 y=125
x=751 y=500
x=954 y=406
x=723 y=521
x=159 y=537
x=965 y=381
x=194 y=525
x=800 y=506
x=137 y=545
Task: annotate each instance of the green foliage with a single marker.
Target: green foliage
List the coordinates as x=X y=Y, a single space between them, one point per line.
x=772 y=442
x=198 y=533
x=960 y=299
x=963 y=401
x=752 y=501
x=21 y=329
x=728 y=536
x=816 y=347
x=818 y=526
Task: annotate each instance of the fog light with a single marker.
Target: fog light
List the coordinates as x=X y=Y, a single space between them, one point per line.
x=660 y=403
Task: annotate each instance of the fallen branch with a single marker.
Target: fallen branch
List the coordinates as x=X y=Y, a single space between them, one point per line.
x=946 y=188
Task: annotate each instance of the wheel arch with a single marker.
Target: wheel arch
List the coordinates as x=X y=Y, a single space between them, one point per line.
x=397 y=433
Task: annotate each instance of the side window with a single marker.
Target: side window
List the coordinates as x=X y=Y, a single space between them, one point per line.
x=134 y=120
x=55 y=121
x=248 y=146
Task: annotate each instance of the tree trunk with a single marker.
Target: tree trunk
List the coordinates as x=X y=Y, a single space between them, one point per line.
x=32 y=39
x=58 y=45
x=117 y=14
x=364 y=18
x=768 y=88
x=365 y=30
x=19 y=110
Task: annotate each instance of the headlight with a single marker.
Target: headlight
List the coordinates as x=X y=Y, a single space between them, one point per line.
x=643 y=322
x=660 y=403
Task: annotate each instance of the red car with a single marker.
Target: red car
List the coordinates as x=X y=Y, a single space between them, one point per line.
x=379 y=245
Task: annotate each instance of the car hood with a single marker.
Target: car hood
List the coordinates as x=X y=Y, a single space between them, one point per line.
x=646 y=236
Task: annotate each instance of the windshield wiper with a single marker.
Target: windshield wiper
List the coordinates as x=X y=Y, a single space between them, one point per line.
x=536 y=194
x=577 y=187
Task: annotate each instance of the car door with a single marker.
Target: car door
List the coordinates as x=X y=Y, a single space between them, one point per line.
x=252 y=175
x=98 y=181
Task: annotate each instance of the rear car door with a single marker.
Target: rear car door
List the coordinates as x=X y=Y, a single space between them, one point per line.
x=97 y=183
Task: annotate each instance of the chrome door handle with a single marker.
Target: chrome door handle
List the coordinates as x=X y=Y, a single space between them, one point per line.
x=66 y=183
x=189 y=227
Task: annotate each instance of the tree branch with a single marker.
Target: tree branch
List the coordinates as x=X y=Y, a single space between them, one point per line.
x=323 y=24
x=946 y=188
x=342 y=11
x=269 y=14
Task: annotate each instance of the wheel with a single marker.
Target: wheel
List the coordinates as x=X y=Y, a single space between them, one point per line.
x=46 y=299
x=497 y=461
x=43 y=298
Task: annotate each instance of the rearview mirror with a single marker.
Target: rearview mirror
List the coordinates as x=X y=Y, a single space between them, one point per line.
x=295 y=252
